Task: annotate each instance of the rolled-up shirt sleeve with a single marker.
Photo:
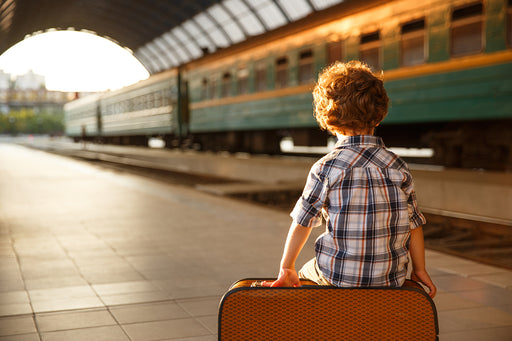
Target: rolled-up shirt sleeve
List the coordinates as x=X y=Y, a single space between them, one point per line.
x=308 y=209
x=416 y=219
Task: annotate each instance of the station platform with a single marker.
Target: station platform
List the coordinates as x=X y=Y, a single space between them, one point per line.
x=88 y=253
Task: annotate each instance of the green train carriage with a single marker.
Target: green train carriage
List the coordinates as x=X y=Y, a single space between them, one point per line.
x=447 y=67
x=149 y=108
x=82 y=118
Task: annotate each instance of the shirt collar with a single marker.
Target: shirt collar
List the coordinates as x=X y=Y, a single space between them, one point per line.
x=359 y=140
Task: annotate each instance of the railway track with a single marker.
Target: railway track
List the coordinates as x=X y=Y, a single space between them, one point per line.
x=484 y=242
x=479 y=240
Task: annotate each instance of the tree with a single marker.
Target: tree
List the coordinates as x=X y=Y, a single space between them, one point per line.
x=26 y=121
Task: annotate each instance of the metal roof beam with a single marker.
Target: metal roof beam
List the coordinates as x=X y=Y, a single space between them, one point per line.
x=204 y=34
x=283 y=12
x=256 y=14
x=219 y=27
x=234 y=19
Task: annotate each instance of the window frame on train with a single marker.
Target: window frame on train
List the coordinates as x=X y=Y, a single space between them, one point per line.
x=212 y=92
x=413 y=49
x=225 y=90
x=334 y=51
x=282 y=64
x=370 y=51
x=306 y=66
x=467 y=24
x=158 y=99
x=242 y=74
x=204 y=89
x=260 y=76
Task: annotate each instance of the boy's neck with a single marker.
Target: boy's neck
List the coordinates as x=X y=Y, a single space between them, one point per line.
x=353 y=133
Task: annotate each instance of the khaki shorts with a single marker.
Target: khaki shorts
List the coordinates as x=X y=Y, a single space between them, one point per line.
x=311 y=271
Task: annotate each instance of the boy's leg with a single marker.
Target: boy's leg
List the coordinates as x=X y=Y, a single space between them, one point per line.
x=311 y=271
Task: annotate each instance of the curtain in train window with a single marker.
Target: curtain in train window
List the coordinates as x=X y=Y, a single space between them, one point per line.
x=281 y=72
x=261 y=76
x=213 y=88
x=243 y=80
x=226 y=85
x=334 y=52
x=369 y=50
x=204 y=89
x=306 y=67
x=412 y=43
x=466 y=30
x=158 y=101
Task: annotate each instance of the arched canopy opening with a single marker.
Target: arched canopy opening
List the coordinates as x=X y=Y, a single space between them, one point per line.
x=161 y=34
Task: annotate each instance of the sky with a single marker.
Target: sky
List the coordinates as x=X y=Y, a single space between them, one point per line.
x=74 y=61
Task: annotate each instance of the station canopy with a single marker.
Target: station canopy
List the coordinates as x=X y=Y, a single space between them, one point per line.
x=161 y=33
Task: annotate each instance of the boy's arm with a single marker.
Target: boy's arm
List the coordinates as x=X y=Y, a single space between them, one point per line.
x=417 y=250
x=297 y=237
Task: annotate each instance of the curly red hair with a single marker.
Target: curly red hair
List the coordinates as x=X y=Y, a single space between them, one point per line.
x=349 y=97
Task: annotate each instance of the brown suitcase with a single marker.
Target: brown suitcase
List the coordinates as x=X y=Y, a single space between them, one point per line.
x=313 y=312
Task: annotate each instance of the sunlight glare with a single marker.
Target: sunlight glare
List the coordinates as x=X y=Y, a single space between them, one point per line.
x=74 y=61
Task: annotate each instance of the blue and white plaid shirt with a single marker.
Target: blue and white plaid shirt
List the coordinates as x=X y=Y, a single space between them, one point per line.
x=366 y=195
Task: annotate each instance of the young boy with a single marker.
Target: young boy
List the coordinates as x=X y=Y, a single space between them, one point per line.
x=364 y=192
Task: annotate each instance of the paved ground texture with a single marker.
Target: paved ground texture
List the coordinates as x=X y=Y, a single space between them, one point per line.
x=92 y=254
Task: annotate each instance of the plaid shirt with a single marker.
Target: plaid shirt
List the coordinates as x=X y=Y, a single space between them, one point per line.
x=365 y=193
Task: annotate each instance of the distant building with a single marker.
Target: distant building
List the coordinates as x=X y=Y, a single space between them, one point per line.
x=5 y=85
x=30 y=81
x=5 y=80
x=29 y=91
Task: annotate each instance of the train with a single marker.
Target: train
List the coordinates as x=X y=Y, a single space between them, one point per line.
x=446 y=64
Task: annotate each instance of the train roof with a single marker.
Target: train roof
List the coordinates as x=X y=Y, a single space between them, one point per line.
x=165 y=34
x=90 y=98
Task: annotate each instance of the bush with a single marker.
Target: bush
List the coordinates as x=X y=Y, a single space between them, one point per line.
x=26 y=121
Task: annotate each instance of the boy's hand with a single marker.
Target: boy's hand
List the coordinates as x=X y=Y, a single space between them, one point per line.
x=287 y=278
x=424 y=278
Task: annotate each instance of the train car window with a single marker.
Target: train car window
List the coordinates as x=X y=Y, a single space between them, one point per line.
x=412 y=43
x=334 y=52
x=158 y=102
x=204 y=89
x=168 y=94
x=467 y=30
x=136 y=102
x=369 y=50
x=226 y=85
x=509 y=23
x=149 y=101
x=213 y=89
x=281 y=72
x=161 y=97
x=261 y=77
x=243 y=80
x=306 y=67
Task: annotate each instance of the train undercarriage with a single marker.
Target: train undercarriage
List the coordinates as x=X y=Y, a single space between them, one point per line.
x=470 y=144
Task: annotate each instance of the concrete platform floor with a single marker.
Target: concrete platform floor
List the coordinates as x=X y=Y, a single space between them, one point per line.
x=93 y=254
